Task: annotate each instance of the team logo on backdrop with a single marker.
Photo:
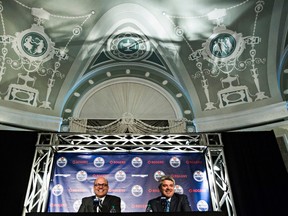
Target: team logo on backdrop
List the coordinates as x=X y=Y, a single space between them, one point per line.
x=137 y=190
x=120 y=175
x=57 y=190
x=158 y=174
x=81 y=175
x=136 y=162
x=175 y=162
x=123 y=206
x=178 y=189
x=198 y=176
x=202 y=205
x=76 y=205
x=99 y=162
x=61 y=162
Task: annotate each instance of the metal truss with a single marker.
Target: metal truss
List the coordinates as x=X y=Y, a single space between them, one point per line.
x=49 y=143
x=220 y=190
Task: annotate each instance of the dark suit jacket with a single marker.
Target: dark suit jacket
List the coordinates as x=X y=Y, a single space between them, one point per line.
x=109 y=201
x=178 y=203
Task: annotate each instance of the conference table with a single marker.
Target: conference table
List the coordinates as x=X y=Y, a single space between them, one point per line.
x=194 y=213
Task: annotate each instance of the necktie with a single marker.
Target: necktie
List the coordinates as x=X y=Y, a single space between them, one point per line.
x=167 y=206
x=100 y=206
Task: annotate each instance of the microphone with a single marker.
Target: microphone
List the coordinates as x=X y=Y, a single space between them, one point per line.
x=95 y=204
x=163 y=202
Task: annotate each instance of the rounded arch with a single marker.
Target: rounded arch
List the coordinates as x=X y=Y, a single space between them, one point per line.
x=140 y=97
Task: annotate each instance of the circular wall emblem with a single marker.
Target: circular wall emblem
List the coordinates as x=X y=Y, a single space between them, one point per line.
x=128 y=47
x=34 y=44
x=223 y=45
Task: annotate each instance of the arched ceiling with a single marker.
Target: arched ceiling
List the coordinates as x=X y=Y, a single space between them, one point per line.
x=217 y=63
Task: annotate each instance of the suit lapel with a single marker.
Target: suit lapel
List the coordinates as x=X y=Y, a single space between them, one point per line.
x=173 y=202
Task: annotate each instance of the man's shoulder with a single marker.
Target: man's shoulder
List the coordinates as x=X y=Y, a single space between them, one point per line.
x=88 y=198
x=112 y=196
x=180 y=195
x=155 y=199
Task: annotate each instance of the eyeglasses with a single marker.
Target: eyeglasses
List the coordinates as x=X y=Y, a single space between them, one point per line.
x=99 y=185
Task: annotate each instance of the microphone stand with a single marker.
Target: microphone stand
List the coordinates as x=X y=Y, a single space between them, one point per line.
x=163 y=201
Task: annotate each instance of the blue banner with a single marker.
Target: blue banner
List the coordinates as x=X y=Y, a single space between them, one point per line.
x=132 y=176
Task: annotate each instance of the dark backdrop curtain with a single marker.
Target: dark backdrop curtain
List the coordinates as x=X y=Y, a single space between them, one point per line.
x=17 y=148
x=258 y=177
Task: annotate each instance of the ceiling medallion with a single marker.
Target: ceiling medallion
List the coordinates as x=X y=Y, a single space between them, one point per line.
x=34 y=44
x=128 y=47
x=223 y=45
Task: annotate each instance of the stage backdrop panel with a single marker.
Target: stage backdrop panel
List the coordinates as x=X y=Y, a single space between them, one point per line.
x=132 y=176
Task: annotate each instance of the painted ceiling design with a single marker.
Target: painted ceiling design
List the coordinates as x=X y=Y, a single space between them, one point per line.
x=216 y=64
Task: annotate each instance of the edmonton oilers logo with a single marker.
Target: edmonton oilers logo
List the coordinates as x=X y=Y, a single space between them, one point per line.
x=76 y=205
x=34 y=44
x=120 y=175
x=81 y=175
x=136 y=162
x=198 y=176
x=158 y=174
x=175 y=162
x=61 y=162
x=178 y=189
x=123 y=206
x=223 y=45
x=57 y=190
x=137 y=190
x=99 y=162
x=202 y=205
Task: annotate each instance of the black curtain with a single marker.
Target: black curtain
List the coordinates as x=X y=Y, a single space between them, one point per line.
x=258 y=177
x=18 y=148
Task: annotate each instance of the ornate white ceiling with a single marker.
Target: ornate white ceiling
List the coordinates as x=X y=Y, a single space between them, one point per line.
x=217 y=63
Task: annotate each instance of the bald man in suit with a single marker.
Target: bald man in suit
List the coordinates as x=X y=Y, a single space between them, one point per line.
x=101 y=202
